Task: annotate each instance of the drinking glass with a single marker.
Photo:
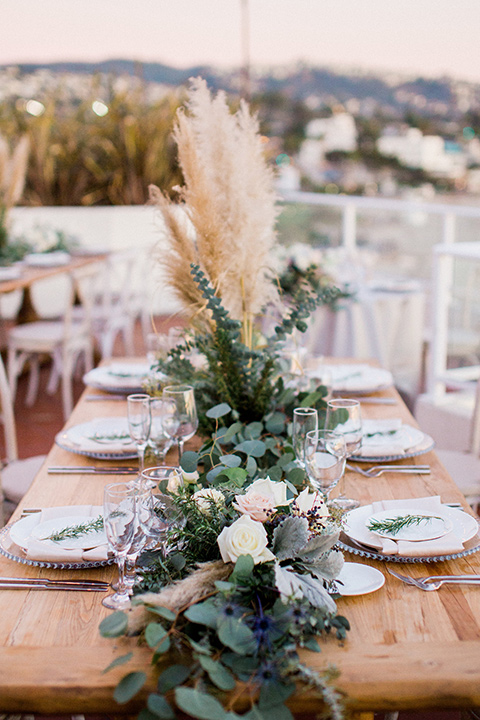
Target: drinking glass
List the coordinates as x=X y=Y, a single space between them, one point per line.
x=162 y=513
x=304 y=420
x=120 y=521
x=139 y=421
x=344 y=416
x=180 y=419
x=324 y=460
x=158 y=440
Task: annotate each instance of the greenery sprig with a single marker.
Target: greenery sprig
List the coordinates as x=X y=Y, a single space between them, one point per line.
x=76 y=531
x=392 y=526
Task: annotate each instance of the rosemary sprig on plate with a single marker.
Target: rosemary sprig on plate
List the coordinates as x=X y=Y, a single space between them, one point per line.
x=76 y=531
x=112 y=437
x=392 y=526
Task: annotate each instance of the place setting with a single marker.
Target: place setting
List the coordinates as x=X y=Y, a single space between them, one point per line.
x=101 y=439
x=355 y=378
x=390 y=439
x=118 y=378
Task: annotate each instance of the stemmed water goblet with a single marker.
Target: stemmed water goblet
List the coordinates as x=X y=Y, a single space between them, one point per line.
x=139 y=422
x=158 y=440
x=304 y=420
x=344 y=416
x=180 y=419
x=324 y=460
x=163 y=514
x=120 y=521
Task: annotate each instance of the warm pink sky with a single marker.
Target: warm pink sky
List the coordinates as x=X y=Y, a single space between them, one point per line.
x=432 y=37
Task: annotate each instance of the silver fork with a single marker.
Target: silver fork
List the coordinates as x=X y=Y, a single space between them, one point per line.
x=377 y=470
x=433 y=582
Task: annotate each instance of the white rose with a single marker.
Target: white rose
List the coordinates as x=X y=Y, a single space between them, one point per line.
x=175 y=481
x=244 y=537
x=205 y=498
x=190 y=477
x=276 y=491
x=306 y=500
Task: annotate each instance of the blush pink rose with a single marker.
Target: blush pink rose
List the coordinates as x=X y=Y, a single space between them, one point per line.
x=254 y=504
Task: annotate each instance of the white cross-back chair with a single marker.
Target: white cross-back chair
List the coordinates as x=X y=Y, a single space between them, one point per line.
x=118 y=301
x=464 y=467
x=16 y=475
x=65 y=340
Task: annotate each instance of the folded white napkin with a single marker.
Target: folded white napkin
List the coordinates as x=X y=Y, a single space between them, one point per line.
x=446 y=545
x=83 y=436
x=110 y=446
x=45 y=551
x=381 y=437
x=128 y=370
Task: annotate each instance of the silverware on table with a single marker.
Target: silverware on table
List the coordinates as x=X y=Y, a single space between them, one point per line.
x=433 y=582
x=377 y=400
x=92 y=470
x=93 y=398
x=377 y=470
x=8 y=583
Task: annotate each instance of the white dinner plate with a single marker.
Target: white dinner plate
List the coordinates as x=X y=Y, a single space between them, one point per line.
x=102 y=438
x=357 y=379
x=52 y=259
x=413 y=441
x=464 y=525
x=359 y=579
x=431 y=527
x=10 y=272
x=118 y=378
x=14 y=541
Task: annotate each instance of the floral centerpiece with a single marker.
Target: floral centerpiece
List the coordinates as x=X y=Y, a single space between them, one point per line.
x=250 y=572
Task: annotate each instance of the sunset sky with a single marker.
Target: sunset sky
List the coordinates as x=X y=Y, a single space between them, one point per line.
x=430 y=37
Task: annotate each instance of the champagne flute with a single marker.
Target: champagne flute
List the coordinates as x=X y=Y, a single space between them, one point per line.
x=180 y=419
x=324 y=460
x=139 y=421
x=304 y=420
x=344 y=416
x=120 y=521
x=158 y=440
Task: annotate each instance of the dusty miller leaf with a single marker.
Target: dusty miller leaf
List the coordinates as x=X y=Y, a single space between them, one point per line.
x=289 y=537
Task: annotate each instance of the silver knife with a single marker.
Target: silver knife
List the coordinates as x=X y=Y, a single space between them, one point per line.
x=101 y=584
x=93 y=398
x=92 y=470
x=24 y=583
x=377 y=400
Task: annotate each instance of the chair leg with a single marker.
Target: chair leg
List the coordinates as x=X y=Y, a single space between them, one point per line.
x=14 y=367
x=33 y=381
x=55 y=373
x=67 y=390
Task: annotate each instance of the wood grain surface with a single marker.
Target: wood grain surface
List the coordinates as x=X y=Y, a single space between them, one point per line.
x=406 y=649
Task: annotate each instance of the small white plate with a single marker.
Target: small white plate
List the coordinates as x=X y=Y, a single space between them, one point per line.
x=85 y=541
x=91 y=439
x=9 y=272
x=358 y=379
x=123 y=378
x=359 y=579
x=52 y=259
x=432 y=527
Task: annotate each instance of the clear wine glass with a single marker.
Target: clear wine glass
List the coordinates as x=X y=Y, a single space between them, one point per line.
x=180 y=419
x=163 y=514
x=324 y=460
x=139 y=422
x=304 y=420
x=159 y=441
x=120 y=521
x=344 y=416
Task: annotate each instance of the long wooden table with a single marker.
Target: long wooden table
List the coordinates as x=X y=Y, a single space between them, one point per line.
x=406 y=649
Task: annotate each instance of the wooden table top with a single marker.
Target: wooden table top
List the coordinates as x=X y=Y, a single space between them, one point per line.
x=32 y=274
x=406 y=649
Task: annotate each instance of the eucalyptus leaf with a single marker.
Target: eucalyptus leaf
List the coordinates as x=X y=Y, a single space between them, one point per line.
x=218 y=411
x=275 y=693
x=252 y=447
x=276 y=423
x=253 y=430
x=160 y=707
x=233 y=633
x=251 y=467
x=275 y=473
x=312 y=644
x=172 y=677
x=189 y=461
x=162 y=611
x=154 y=634
x=285 y=459
x=296 y=476
x=204 y=613
x=236 y=474
x=231 y=461
x=243 y=567
x=118 y=661
x=232 y=430
x=114 y=625
x=199 y=647
x=218 y=674
x=214 y=473
x=198 y=704
x=129 y=686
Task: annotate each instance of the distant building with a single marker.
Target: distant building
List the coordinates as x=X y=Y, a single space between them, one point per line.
x=337 y=133
x=427 y=152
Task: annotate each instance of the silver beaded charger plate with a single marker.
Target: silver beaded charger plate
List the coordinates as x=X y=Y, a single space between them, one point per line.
x=81 y=439
x=427 y=444
x=467 y=526
x=13 y=552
